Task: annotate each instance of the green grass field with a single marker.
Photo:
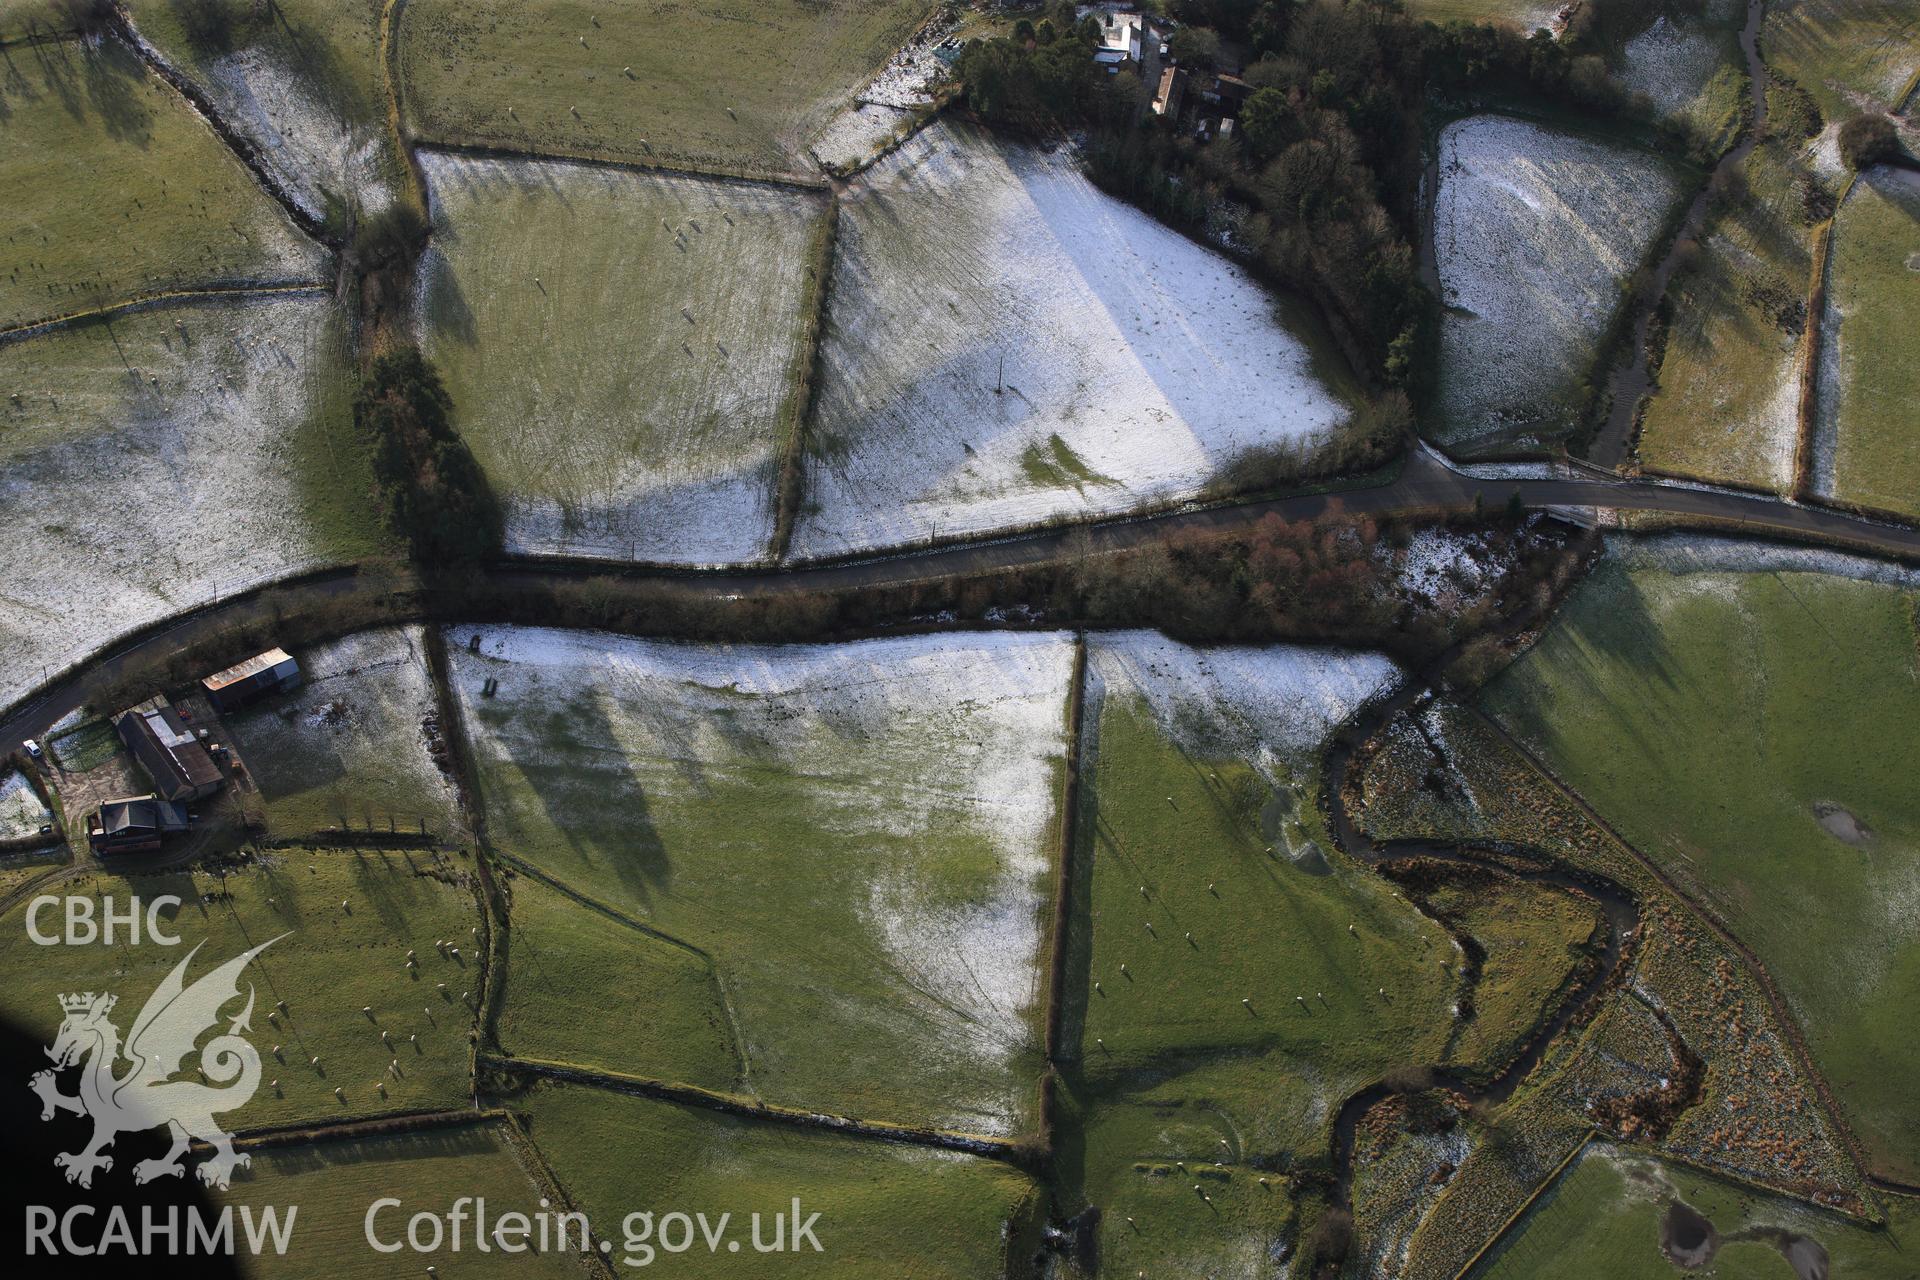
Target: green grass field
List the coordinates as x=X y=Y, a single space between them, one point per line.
x=859 y=836
x=1522 y=15
x=886 y=1210
x=301 y=79
x=709 y=86
x=1268 y=1074
x=1534 y=937
x=1876 y=295
x=624 y=349
x=1734 y=726
x=1849 y=54
x=1726 y=406
x=33 y=20
x=1609 y=1209
x=332 y=963
x=334 y=1182
x=117 y=189
x=586 y=987
x=346 y=750
x=1206 y=903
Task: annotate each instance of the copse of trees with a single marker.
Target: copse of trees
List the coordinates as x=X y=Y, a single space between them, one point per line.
x=1867 y=140
x=431 y=491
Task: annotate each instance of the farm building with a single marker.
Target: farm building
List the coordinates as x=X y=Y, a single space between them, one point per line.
x=179 y=765
x=259 y=675
x=1121 y=37
x=134 y=824
x=1171 y=92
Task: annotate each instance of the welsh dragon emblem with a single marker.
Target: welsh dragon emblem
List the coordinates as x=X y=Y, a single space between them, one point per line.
x=146 y=1096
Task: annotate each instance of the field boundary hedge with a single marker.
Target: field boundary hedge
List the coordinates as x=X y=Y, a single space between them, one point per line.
x=1008 y=1150
x=1805 y=402
x=534 y=1161
x=1065 y=843
x=1532 y=1199
x=803 y=393
x=493 y=907
x=121 y=25
x=235 y=291
x=376 y=1126
x=611 y=160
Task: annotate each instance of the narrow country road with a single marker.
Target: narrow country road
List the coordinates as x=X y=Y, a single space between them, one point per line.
x=1425 y=485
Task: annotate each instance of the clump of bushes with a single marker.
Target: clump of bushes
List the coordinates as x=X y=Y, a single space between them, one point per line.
x=432 y=492
x=1867 y=140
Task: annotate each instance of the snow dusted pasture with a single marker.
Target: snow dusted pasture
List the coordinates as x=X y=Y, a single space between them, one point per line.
x=623 y=349
x=892 y=102
x=857 y=835
x=311 y=147
x=180 y=455
x=1272 y=706
x=1534 y=231
x=1671 y=61
x=857 y=135
x=1006 y=345
x=22 y=813
x=349 y=748
x=303 y=81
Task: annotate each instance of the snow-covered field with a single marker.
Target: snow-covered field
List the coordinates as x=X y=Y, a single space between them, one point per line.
x=860 y=133
x=1005 y=345
x=349 y=747
x=1671 y=62
x=21 y=812
x=309 y=146
x=1534 y=231
x=623 y=349
x=1272 y=706
x=860 y=830
x=155 y=465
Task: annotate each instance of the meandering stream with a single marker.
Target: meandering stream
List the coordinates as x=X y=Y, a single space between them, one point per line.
x=1622 y=913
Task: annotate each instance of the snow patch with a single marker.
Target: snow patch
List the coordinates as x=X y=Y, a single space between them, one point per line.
x=151 y=470
x=21 y=812
x=311 y=147
x=1272 y=706
x=1670 y=63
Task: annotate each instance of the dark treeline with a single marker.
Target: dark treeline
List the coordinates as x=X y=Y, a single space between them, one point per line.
x=431 y=491
x=1326 y=153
